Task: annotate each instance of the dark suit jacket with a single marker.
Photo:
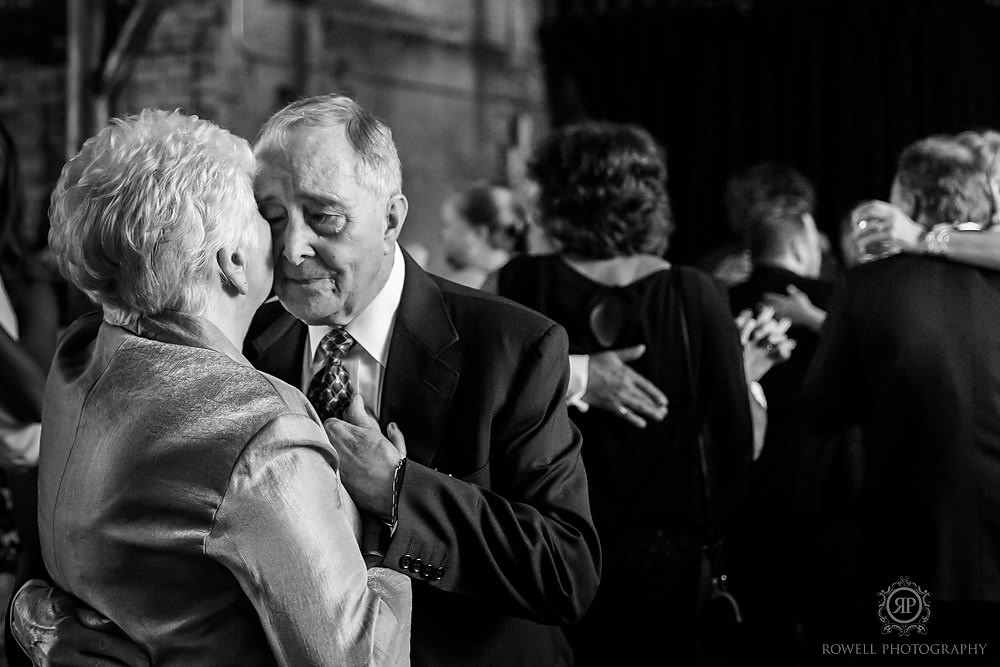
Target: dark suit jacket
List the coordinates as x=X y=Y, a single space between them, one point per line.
x=494 y=521
x=911 y=352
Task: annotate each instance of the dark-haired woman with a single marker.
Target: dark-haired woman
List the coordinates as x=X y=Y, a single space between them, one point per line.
x=602 y=200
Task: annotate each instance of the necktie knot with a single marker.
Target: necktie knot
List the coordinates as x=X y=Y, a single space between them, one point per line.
x=336 y=344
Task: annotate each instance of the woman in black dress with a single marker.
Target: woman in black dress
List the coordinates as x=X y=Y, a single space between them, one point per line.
x=602 y=200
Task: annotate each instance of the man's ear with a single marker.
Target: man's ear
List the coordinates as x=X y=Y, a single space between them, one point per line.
x=797 y=249
x=233 y=266
x=395 y=216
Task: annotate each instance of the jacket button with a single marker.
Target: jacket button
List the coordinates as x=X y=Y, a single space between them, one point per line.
x=416 y=566
x=438 y=574
x=404 y=562
x=427 y=572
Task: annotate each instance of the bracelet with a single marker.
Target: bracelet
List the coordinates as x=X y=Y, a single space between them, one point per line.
x=935 y=241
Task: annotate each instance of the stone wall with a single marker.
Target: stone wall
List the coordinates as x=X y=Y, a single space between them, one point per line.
x=449 y=77
x=32 y=107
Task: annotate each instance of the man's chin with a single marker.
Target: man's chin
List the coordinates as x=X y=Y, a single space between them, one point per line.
x=313 y=311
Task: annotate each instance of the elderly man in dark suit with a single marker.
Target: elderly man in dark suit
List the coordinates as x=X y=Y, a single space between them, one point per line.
x=909 y=352
x=485 y=505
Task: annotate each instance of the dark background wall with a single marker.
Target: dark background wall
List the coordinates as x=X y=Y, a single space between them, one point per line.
x=834 y=87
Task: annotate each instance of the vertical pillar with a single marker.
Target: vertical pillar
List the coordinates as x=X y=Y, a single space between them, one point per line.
x=84 y=31
x=479 y=82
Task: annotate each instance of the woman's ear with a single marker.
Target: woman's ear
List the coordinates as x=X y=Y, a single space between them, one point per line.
x=233 y=267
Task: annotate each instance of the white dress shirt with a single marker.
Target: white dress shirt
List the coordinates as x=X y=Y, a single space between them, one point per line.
x=372 y=331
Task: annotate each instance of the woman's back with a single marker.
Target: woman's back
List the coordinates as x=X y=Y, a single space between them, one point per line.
x=161 y=500
x=660 y=459
x=645 y=485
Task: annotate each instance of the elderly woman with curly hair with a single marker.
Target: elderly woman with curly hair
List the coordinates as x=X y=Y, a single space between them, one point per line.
x=190 y=499
x=602 y=201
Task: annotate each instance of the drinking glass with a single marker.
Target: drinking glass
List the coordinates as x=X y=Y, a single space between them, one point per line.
x=876 y=248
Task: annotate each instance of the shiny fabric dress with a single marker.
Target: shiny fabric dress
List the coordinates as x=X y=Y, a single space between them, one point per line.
x=646 y=492
x=196 y=503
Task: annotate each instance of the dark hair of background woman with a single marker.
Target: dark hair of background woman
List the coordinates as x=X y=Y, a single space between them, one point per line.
x=602 y=190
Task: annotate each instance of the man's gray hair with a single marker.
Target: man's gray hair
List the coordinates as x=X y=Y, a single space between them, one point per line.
x=379 y=168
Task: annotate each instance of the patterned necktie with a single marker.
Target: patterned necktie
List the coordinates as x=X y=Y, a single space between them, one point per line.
x=330 y=389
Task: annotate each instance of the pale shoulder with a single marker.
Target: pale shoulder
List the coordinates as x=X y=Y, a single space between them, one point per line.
x=619 y=271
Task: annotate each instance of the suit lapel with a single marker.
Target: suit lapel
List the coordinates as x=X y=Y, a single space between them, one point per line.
x=418 y=385
x=276 y=343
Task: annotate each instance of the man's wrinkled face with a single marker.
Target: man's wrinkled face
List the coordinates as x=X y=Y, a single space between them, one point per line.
x=332 y=241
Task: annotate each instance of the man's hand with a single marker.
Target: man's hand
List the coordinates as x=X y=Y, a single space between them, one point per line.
x=878 y=222
x=616 y=388
x=55 y=629
x=368 y=460
x=19 y=447
x=796 y=307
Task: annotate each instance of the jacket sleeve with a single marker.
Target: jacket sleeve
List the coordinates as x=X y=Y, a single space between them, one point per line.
x=526 y=544
x=283 y=530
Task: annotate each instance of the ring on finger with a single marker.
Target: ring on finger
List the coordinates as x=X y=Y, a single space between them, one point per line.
x=622 y=411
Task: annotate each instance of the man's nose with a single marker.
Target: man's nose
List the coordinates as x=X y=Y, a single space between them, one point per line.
x=296 y=240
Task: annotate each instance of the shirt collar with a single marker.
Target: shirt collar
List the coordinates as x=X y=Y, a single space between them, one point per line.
x=372 y=328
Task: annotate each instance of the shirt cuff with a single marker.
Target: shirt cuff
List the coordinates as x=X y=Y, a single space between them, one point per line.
x=758 y=394
x=579 y=368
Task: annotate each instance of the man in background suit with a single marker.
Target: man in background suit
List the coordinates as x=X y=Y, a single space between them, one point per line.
x=909 y=352
x=485 y=505
x=797 y=500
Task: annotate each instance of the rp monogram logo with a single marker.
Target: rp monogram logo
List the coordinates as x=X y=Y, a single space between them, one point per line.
x=904 y=605
x=903 y=608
